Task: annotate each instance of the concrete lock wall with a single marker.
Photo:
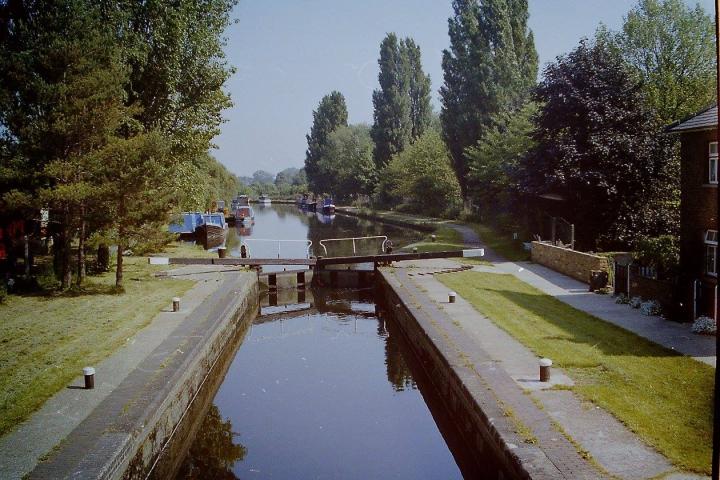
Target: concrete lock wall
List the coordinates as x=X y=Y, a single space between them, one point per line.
x=477 y=425
x=203 y=370
x=577 y=265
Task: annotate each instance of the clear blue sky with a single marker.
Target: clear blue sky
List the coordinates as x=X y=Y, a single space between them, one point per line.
x=289 y=53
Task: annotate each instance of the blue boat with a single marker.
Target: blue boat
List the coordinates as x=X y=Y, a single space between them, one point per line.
x=328 y=207
x=187 y=224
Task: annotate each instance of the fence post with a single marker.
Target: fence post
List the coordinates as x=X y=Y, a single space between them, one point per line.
x=572 y=236
x=552 y=231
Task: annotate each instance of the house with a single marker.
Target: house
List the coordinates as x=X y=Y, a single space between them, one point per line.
x=698 y=212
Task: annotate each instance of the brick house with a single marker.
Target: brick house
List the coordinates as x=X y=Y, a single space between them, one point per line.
x=698 y=212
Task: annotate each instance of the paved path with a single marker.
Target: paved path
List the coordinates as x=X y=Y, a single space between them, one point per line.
x=673 y=335
x=21 y=449
x=617 y=450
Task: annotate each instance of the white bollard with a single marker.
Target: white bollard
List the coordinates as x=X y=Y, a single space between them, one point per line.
x=451 y=297
x=176 y=304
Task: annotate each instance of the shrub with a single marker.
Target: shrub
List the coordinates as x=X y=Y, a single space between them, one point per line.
x=650 y=307
x=635 y=302
x=661 y=252
x=705 y=325
x=622 y=299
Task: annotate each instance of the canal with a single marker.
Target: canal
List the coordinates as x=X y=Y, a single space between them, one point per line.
x=323 y=384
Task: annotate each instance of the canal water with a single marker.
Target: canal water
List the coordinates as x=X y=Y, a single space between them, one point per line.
x=327 y=391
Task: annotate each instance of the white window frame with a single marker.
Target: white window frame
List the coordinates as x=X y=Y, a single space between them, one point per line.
x=713 y=163
x=711 y=244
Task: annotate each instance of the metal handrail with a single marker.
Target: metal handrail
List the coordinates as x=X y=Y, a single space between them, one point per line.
x=279 y=242
x=382 y=247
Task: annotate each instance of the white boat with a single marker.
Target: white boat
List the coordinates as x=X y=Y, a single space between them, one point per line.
x=264 y=200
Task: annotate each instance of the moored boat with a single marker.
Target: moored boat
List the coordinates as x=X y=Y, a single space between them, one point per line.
x=245 y=215
x=212 y=229
x=328 y=207
x=186 y=224
x=264 y=200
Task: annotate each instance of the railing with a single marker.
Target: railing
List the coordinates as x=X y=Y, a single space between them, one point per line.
x=354 y=241
x=308 y=244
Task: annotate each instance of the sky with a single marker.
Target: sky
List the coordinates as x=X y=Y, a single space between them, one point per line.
x=289 y=53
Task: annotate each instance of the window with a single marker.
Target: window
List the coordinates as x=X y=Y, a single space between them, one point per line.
x=713 y=163
x=711 y=244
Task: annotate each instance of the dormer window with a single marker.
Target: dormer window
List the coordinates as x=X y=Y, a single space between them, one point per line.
x=713 y=163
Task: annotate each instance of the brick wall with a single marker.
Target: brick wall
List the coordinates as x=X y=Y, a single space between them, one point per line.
x=570 y=262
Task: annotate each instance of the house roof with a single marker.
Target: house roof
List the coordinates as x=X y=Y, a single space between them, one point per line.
x=705 y=120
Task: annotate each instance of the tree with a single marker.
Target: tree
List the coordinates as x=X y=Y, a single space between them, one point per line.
x=597 y=146
x=263 y=177
x=671 y=48
x=62 y=102
x=401 y=106
x=490 y=67
x=422 y=177
x=330 y=114
x=349 y=161
x=495 y=160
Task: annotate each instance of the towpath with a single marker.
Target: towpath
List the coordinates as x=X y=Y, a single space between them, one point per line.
x=562 y=425
x=672 y=335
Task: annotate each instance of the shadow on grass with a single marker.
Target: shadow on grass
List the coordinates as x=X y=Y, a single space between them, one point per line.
x=74 y=291
x=581 y=328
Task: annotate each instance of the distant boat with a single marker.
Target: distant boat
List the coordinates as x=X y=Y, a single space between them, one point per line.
x=212 y=229
x=187 y=223
x=245 y=215
x=264 y=200
x=306 y=204
x=239 y=201
x=328 y=207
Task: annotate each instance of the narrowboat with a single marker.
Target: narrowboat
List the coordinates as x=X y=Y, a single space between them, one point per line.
x=212 y=228
x=245 y=215
x=186 y=224
x=328 y=207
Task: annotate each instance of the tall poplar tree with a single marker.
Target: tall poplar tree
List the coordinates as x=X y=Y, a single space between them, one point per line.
x=402 y=110
x=490 y=67
x=330 y=114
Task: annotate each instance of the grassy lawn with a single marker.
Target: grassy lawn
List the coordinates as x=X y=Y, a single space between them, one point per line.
x=664 y=397
x=502 y=244
x=47 y=338
x=445 y=239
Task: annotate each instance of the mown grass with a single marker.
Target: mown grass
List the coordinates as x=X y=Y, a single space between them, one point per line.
x=446 y=239
x=46 y=339
x=665 y=398
x=501 y=243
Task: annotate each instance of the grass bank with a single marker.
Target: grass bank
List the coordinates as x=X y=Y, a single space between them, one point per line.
x=46 y=338
x=446 y=237
x=665 y=398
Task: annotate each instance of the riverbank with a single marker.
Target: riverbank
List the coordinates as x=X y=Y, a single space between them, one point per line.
x=549 y=417
x=448 y=232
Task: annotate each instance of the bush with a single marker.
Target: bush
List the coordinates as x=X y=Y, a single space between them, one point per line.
x=661 y=252
x=650 y=307
x=635 y=302
x=622 y=299
x=705 y=325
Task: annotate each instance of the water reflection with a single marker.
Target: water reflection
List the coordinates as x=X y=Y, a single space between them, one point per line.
x=398 y=371
x=214 y=452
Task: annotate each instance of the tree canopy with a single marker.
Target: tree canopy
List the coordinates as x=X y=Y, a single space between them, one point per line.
x=330 y=114
x=490 y=67
x=597 y=147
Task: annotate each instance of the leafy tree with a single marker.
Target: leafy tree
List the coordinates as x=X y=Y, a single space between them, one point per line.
x=491 y=66
x=349 y=161
x=418 y=90
x=261 y=176
x=61 y=102
x=422 y=177
x=402 y=103
x=286 y=176
x=330 y=114
x=671 y=48
x=496 y=158
x=597 y=147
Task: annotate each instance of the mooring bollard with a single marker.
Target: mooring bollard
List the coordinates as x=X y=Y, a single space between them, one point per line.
x=433 y=237
x=451 y=297
x=414 y=249
x=222 y=252
x=89 y=373
x=176 y=304
x=243 y=251
x=545 y=364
